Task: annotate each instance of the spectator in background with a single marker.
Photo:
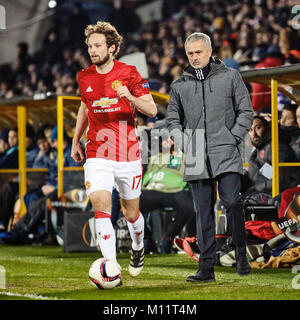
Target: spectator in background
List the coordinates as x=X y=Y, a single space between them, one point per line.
x=31 y=146
x=81 y=59
x=47 y=128
x=121 y=15
x=163 y=186
x=42 y=158
x=23 y=59
x=13 y=137
x=261 y=97
x=288 y=116
x=9 y=191
x=4 y=146
x=10 y=160
x=298 y=116
x=141 y=121
x=35 y=199
x=289 y=128
x=258 y=177
x=225 y=54
x=51 y=54
x=251 y=31
x=11 y=157
x=150 y=122
x=3 y=89
x=51 y=163
x=78 y=21
x=51 y=184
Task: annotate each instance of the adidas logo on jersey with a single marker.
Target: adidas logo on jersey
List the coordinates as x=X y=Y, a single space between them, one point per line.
x=89 y=89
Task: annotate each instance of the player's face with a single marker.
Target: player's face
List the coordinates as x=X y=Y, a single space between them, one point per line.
x=257 y=132
x=197 y=54
x=98 y=50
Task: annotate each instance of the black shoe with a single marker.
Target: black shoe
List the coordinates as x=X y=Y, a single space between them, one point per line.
x=243 y=267
x=136 y=262
x=202 y=276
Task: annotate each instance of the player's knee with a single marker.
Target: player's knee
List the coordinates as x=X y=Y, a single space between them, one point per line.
x=130 y=215
x=99 y=205
x=101 y=201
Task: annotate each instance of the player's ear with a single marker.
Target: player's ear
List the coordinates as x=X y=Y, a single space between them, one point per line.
x=112 y=49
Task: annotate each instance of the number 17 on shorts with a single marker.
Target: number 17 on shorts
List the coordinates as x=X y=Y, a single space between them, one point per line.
x=136 y=183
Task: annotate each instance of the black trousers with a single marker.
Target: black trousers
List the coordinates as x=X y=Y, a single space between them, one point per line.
x=204 y=195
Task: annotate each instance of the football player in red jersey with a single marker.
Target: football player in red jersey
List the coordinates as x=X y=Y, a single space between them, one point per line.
x=111 y=93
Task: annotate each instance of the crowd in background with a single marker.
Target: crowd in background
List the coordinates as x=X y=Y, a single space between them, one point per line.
x=245 y=35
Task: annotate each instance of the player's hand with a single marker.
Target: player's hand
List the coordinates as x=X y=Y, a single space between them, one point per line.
x=77 y=152
x=123 y=92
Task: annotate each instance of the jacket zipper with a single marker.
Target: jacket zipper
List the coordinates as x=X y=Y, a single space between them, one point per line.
x=205 y=132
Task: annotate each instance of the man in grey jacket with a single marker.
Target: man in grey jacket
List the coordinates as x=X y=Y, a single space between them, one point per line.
x=209 y=114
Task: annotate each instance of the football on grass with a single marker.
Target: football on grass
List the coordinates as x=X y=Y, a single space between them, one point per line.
x=105 y=273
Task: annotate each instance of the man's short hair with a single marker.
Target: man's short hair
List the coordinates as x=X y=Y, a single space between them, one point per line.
x=264 y=122
x=109 y=31
x=4 y=135
x=290 y=107
x=199 y=36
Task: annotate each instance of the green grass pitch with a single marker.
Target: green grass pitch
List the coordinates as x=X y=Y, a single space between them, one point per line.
x=47 y=273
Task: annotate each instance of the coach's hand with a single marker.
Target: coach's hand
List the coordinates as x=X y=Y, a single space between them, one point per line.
x=77 y=152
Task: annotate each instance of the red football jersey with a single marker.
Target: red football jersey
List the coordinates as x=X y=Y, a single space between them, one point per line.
x=111 y=132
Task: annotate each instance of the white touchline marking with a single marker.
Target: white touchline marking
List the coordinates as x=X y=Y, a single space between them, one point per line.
x=30 y=296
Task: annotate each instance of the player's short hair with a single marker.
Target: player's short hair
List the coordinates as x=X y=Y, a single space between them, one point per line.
x=199 y=36
x=109 y=31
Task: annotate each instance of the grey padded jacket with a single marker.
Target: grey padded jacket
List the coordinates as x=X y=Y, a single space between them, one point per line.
x=208 y=119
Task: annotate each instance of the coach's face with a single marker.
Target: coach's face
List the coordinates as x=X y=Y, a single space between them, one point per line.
x=98 y=50
x=197 y=54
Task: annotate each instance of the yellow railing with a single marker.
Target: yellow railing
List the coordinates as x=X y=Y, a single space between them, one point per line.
x=22 y=170
x=60 y=138
x=21 y=111
x=60 y=101
x=275 y=144
x=274 y=108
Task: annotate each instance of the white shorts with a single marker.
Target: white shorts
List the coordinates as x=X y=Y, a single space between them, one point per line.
x=126 y=177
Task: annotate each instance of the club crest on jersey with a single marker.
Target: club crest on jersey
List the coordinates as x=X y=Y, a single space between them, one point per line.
x=116 y=84
x=105 y=102
x=87 y=185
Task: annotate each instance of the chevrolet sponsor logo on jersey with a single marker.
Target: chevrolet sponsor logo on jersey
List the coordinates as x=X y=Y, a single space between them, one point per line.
x=105 y=102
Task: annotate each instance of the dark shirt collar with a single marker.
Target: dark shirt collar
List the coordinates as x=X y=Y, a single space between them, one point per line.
x=200 y=74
